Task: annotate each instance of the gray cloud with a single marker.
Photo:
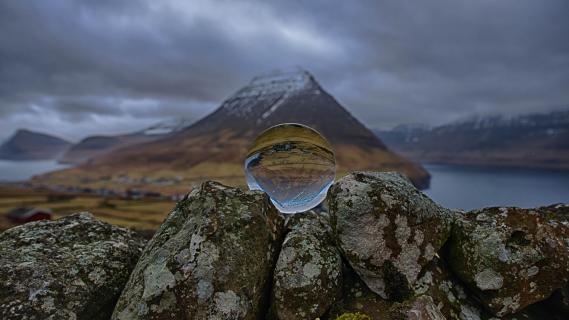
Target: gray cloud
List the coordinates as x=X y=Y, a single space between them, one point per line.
x=82 y=67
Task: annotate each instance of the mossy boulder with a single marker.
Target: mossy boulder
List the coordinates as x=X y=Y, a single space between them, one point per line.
x=436 y=281
x=71 y=268
x=308 y=275
x=211 y=259
x=386 y=229
x=510 y=257
x=418 y=308
x=353 y=316
x=357 y=298
x=453 y=300
x=560 y=298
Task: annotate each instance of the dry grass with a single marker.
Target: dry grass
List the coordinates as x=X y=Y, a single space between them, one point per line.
x=135 y=214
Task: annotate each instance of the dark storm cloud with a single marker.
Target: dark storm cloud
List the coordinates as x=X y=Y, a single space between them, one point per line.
x=80 y=67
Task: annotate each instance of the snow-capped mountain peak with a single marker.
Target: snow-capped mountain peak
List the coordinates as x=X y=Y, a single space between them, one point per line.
x=268 y=92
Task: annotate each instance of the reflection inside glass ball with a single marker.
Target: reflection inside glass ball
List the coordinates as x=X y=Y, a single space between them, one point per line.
x=293 y=164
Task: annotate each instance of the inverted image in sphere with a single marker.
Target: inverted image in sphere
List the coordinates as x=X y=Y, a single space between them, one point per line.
x=293 y=164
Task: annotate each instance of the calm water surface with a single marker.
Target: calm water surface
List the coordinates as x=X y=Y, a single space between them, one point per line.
x=452 y=186
x=23 y=170
x=469 y=187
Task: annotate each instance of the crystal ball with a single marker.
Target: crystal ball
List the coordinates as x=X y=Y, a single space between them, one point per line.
x=293 y=164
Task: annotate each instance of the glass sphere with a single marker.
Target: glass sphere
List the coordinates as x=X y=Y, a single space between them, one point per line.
x=293 y=164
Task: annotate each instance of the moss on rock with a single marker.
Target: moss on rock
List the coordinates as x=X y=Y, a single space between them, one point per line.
x=386 y=229
x=510 y=257
x=71 y=268
x=353 y=316
x=308 y=275
x=211 y=259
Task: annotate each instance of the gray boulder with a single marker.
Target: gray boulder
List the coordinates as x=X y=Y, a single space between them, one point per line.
x=436 y=282
x=211 y=259
x=358 y=299
x=386 y=229
x=452 y=299
x=510 y=257
x=308 y=275
x=419 y=308
x=71 y=268
x=560 y=298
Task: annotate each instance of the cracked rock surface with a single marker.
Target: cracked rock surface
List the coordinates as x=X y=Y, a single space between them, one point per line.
x=308 y=276
x=210 y=259
x=384 y=251
x=386 y=229
x=71 y=268
x=510 y=257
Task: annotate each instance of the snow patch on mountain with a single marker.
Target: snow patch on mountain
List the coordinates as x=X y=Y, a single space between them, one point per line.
x=168 y=127
x=264 y=94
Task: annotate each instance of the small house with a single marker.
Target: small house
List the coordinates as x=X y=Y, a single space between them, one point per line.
x=23 y=215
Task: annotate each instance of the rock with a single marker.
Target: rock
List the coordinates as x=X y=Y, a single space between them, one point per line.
x=536 y=311
x=308 y=275
x=357 y=298
x=420 y=308
x=71 y=268
x=353 y=316
x=557 y=211
x=510 y=257
x=386 y=229
x=560 y=298
x=211 y=259
x=446 y=291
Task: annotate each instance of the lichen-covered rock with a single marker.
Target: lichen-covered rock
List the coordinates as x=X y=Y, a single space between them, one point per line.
x=71 y=268
x=210 y=259
x=419 y=308
x=308 y=275
x=557 y=211
x=358 y=298
x=510 y=257
x=436 y=281
x=353 y=316
x=386 y=229
x=560 y=298
x=451 y=298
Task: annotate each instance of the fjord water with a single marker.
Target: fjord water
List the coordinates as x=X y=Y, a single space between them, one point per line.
x=23 y=170
x=453 y=186
x=471 y=187
x=293 y=164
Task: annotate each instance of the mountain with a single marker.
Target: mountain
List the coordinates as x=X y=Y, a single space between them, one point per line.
x=30 y=145
x=215 y=146
x=539 y=140
x=99 y=145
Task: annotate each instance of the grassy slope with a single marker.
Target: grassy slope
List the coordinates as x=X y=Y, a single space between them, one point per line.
x=135 y=214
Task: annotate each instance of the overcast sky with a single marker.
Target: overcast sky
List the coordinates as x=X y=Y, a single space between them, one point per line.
x=75 y=68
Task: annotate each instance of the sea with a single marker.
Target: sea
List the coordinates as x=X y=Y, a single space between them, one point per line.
x=452 y=186
x=14 y=171
x=471 y=187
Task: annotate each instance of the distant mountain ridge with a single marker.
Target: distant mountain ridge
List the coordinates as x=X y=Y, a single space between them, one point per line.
x=215 y=146
x=30 y=145
x=539 y=140
x=98 y=145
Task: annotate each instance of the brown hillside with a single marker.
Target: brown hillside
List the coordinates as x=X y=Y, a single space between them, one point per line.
x=215 y=147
